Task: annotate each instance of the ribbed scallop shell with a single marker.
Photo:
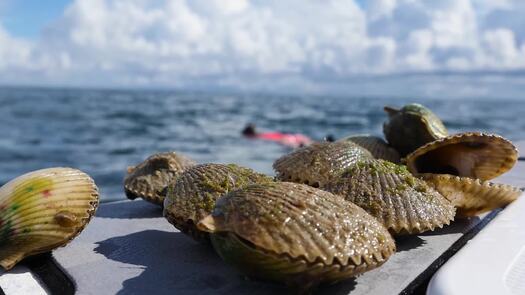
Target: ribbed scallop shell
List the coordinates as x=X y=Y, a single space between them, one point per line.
x=193 y=195
x=474 y=154
x=472 y=196
x=403 y=203
x=411 y=127
x=296 y=234
x=149 y=179
x=319 y=162
x=376 y=146
x=43 y=210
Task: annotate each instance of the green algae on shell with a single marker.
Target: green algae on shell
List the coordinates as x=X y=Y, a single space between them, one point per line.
x=411 y=127
x=296 y=234
x=149 y=179
x=193 y=195
x=376 y=146
x=319 y=162
x=473 y=154
x=43 y=210
x=403 y=203
x=472 y=196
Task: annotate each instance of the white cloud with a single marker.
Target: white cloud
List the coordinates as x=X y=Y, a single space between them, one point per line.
x=257 y=44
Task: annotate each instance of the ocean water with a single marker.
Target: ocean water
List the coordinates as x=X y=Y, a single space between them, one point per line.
x=102 y=132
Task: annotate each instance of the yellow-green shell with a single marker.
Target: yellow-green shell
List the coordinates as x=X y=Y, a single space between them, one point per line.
x=43 y=210
x=472 y=196
x=411 y=127
x=319 y=162
x=296 y=234
x=149 y=179
x=403 y=203
x=473 y=154
x=193 y=195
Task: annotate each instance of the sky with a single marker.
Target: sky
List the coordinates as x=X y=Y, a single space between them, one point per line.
x=332 y=46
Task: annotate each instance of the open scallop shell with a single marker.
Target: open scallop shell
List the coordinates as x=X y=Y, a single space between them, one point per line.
x=149 y=179
x=296 y=234
x=319 y=162
x=193 y=195
x=376 y=146
x=472 y=196
x=474 y=154
x=411 y=127
x=403 y=203
x=43 y=210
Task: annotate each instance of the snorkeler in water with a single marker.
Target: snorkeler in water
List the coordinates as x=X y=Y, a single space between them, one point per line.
x=287 y=139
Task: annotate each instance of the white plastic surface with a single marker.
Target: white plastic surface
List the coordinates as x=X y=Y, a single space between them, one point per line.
x=20 y=281
x=493 y=262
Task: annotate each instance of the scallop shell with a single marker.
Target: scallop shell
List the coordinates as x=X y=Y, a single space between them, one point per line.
x=474 y=154
x=193 y=195
x=376 y=146
x=296 y=234
x=472 y=196
x=411 y=127
x=149 y=179
x=403 y=203
x=43 y=210
x=319 y=162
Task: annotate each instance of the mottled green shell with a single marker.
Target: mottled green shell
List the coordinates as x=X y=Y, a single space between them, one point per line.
x=193 y=195
x=319 y=162
x=411 y=127
x=149 y=179
x=403 y=203
x=376 y=146
x=296 y=234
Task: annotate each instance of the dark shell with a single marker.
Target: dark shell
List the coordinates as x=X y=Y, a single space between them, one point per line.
x=475 y=155
x=193 y=195
x=296 y=234
x=319 y=162
x=149 y=179
x=411 y=127
x=376 y=146
x=472 y=196
x=403 y=203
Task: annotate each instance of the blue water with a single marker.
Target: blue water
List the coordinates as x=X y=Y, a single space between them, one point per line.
x=103 y=132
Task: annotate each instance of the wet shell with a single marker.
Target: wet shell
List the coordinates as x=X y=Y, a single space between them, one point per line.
x=472 y=196
x=411 y=127
x=403 y=203
x=43 y=210
x=193 y=195
x=319 y=162
x=376 y=146
x=296 y=234
x=149 y=179
x=474 y=155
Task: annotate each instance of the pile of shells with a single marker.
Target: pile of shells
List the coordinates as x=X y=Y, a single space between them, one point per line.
x=333 y=208
x=329 y=214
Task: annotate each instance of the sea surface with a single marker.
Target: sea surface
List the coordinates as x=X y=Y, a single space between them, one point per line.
x=103 y=131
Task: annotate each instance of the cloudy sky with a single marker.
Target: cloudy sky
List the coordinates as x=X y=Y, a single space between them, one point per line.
x=305 y=46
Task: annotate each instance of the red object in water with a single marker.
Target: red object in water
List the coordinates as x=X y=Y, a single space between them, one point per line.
x=291 y=140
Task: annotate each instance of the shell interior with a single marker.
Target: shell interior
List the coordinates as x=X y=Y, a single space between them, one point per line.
x=43 y=210
x=474 y=155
